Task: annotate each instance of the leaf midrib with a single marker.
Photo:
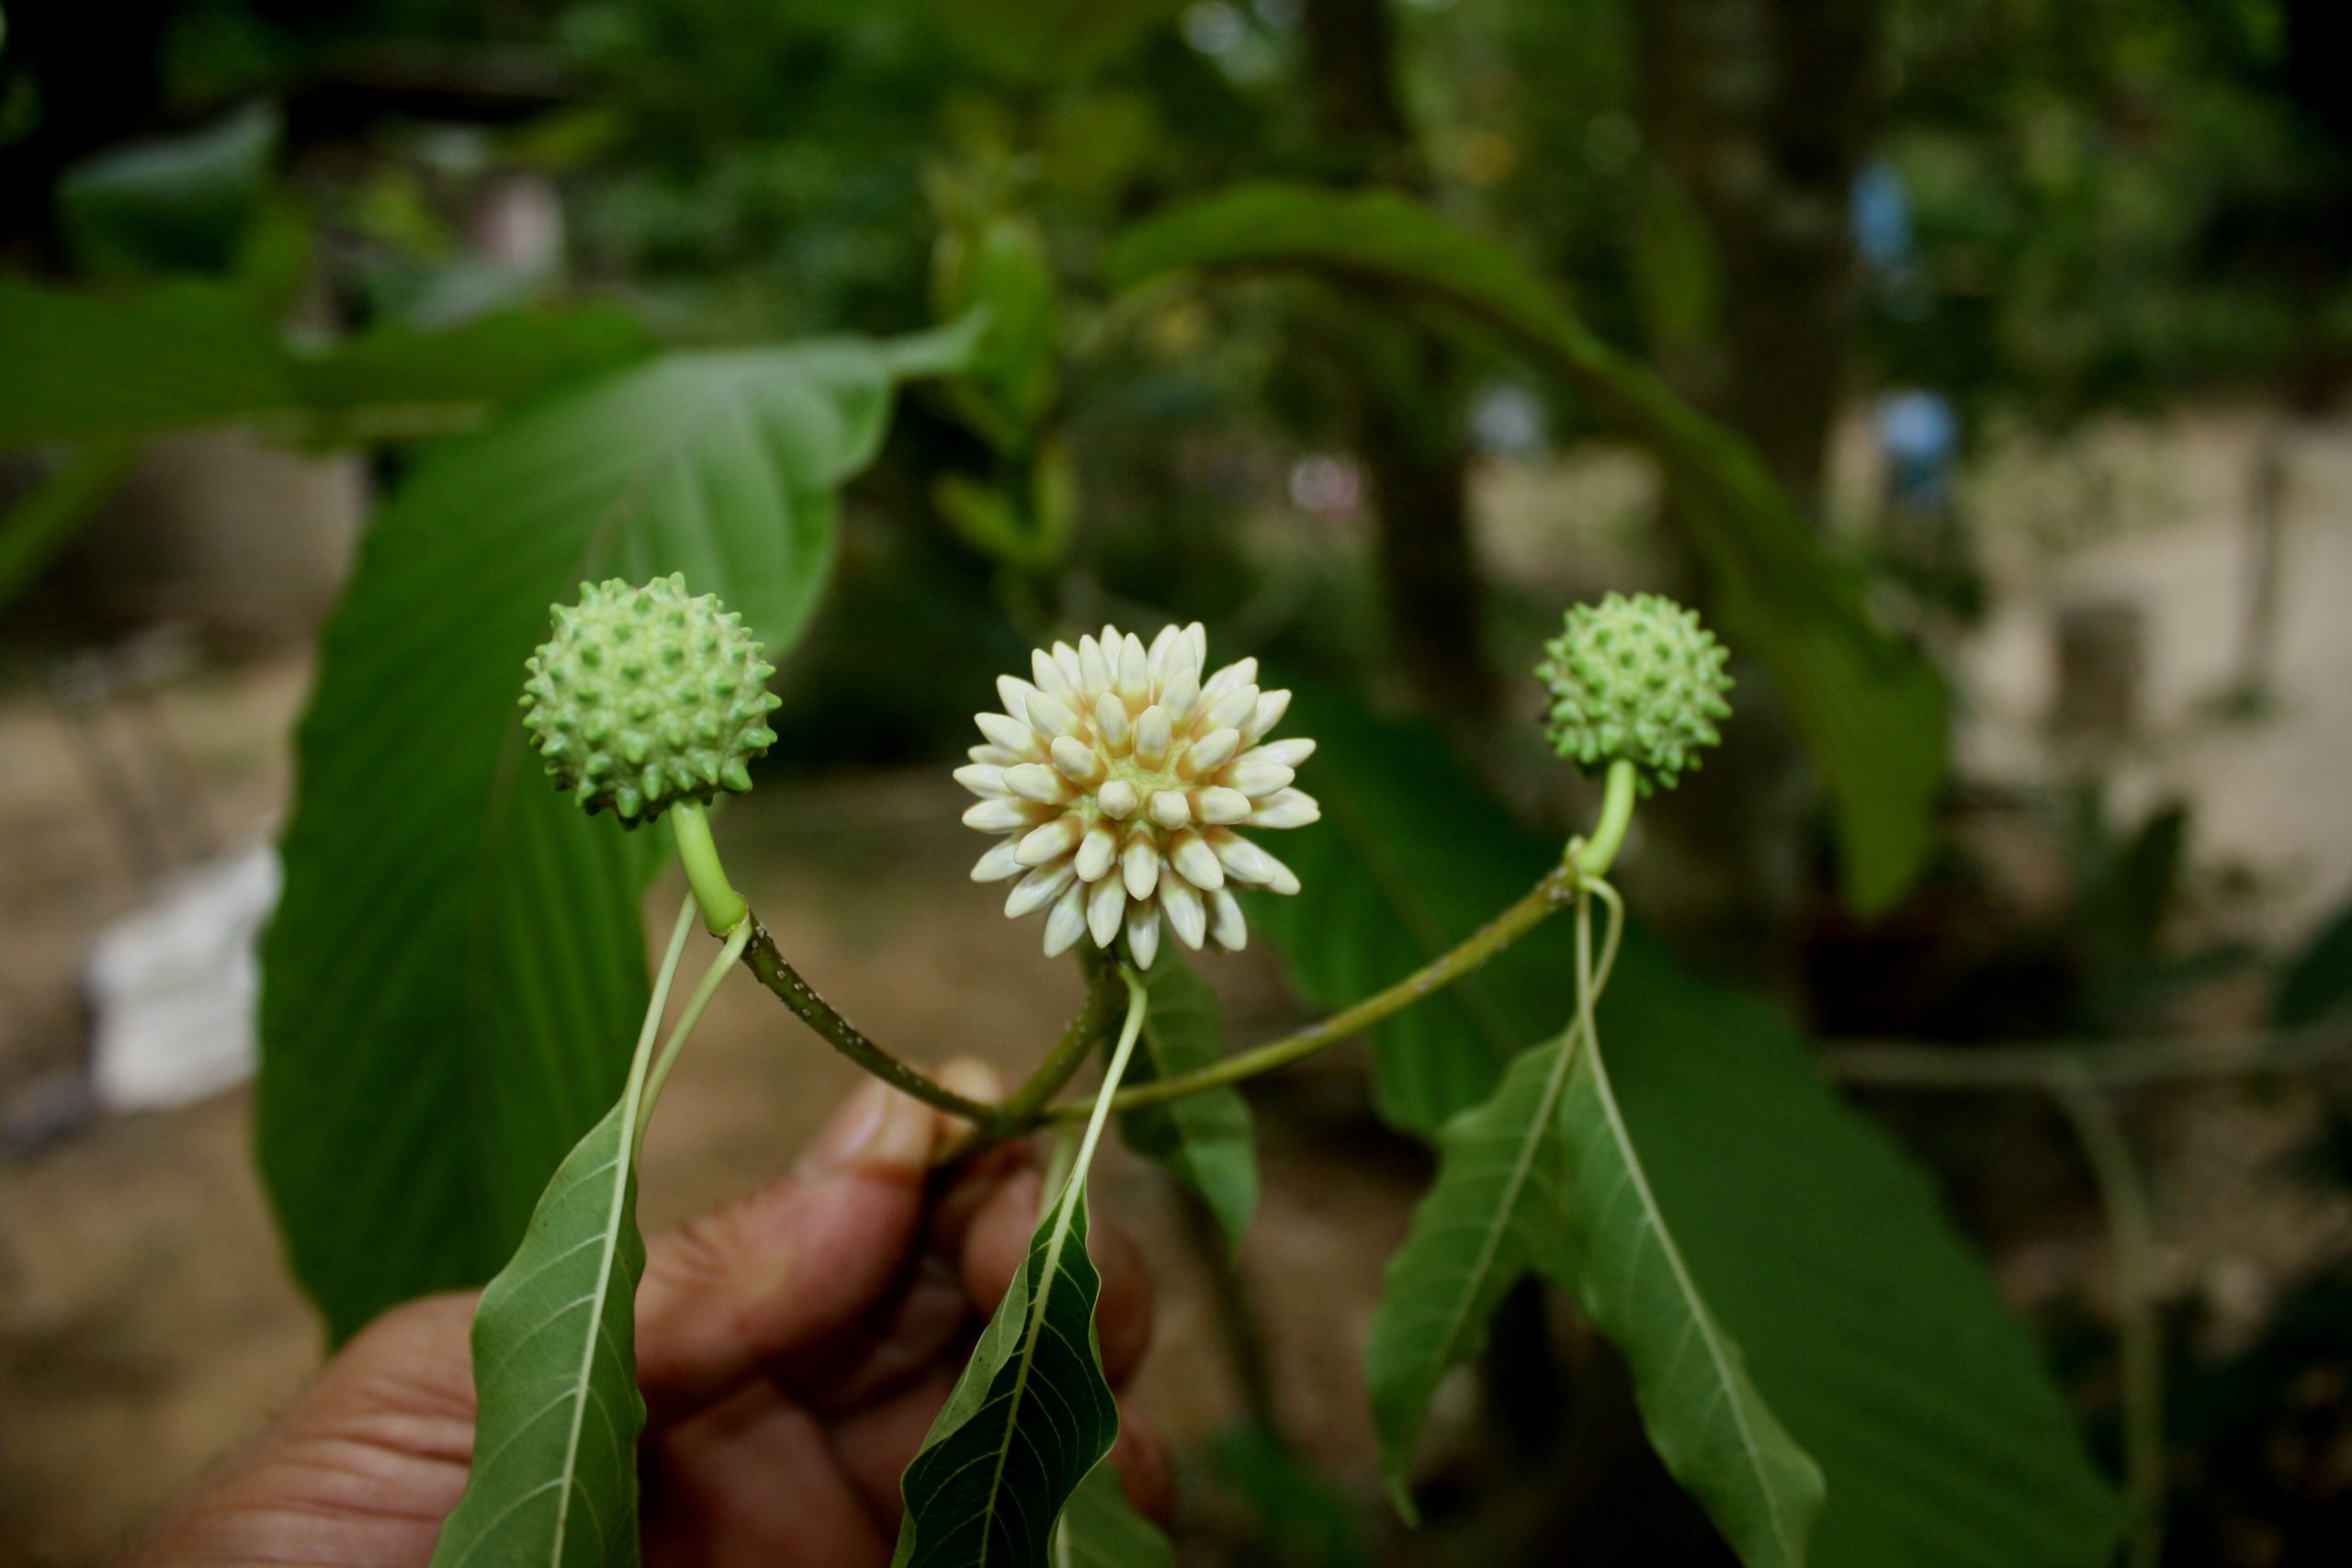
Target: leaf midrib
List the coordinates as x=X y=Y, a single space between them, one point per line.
x=1539 y=1128
x=1031 y=1329
x=1703 y=1320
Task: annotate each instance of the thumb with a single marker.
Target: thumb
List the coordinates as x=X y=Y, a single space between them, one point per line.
x=728 y=1294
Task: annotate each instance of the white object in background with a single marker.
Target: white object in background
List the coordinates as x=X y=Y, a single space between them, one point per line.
x=173 y=988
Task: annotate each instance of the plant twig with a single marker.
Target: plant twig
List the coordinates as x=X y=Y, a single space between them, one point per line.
x=760 y=956
x=2123 y=1196
x=1548 y=896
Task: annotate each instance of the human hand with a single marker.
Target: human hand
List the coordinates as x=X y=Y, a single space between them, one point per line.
x=793 y=1346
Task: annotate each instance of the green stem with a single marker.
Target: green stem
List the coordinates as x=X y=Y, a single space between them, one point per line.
x=722 y=908
x=2131 y=1234
x=704 y=990
x=1544 y=898
x=633 y=1097
x=1070 y=1053
x=1138 y=1003
x=760 y=956
x=1599 y=849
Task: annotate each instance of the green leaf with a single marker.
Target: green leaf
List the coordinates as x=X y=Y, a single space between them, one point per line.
x=554 y=1479
x=119 y=365
x=1202 y=1140
x=1870 y=710
x=457 y=956
x=1029 y=1417
x=41 y=524
x=1100 y=1528
x=1869 y=1326
x=1295 y=1514
x=1497 y=1209
x=1543 y=1175
x=172 y=204
x=1704 y=1415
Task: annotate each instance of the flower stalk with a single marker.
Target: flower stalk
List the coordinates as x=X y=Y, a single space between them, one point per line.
x=774 y=971
x=1556 y=892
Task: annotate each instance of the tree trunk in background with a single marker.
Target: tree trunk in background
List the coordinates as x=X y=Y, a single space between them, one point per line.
x=1759 y=108
x=1409 y=441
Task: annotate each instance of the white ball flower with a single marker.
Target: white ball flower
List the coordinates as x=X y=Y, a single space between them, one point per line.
x=1119 y=776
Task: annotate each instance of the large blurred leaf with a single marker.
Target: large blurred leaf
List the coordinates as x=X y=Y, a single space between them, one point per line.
x=1870 y=709
x=1202 y=1139
x=554 y=1477
x=172 y=204
x=115 y=366
x=1029 y=1417
x=457 y=959
x=1869 y=1327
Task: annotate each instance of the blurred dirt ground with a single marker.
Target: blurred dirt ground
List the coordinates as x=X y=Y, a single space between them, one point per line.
x=146 y=1322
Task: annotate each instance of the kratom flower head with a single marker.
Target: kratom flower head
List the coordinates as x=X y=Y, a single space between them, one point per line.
x=1638 y=679
x=1118 y=777
x=647 y=696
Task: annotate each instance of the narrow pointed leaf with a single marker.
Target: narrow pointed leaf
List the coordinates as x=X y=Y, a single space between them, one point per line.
x=1100 y=1528
x=1705 y=1415
x=1870 y=708
x=1498 y=1207
x=554 y=1475
x=1030 y=1416
x=1202 y=1140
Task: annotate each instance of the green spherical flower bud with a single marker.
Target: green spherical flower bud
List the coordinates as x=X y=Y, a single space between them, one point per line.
x=1636 y=679
x=647 y=696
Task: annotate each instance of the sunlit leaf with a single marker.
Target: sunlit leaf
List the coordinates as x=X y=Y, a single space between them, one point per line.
x=458 y=957
x=1870 y=709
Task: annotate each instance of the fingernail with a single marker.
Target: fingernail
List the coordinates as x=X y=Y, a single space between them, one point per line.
x=972 y=1078
x=877 y=1128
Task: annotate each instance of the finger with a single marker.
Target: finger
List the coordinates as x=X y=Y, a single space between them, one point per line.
x=998 y=1244
x=925 y=1321
x=729 y=1293
x=874 y=1446
x=749 y=1483
x=361 y=1470
x=1140 y=1456
x=1122 y=1314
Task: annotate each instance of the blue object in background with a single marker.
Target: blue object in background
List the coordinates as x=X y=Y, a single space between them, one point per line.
x=1880 y=213
x=1919 y=433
